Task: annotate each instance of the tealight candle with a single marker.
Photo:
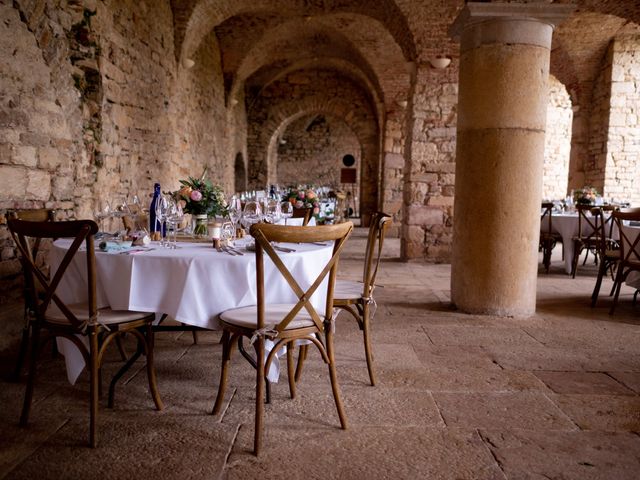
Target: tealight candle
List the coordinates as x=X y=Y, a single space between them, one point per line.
x=216 y=231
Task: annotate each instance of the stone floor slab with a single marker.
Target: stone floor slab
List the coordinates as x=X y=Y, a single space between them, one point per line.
x=583 y=382
x=529 y=455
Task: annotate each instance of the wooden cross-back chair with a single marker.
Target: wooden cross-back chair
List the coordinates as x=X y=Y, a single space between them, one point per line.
x=304 y=213
x=357 y=298
x=548 y=238
x=285 y=323
x=53 y=317
x=608 y=249
x=30 y=215
x=629 y=250
x=587 y=237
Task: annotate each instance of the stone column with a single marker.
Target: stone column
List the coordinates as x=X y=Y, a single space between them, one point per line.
x=502 y=101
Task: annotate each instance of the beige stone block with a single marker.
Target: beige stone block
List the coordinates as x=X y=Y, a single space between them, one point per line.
x=440 y=201
x=425 y=215
x=49 y=158
x=503 y=86
x=39 y=185
x=393 y=160
x=24 y=155
x=14 y=182
x=622 y=88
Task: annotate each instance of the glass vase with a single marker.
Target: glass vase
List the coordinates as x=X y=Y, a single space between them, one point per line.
x=200 y=225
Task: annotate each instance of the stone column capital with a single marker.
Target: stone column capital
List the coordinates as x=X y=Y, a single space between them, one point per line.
x=528 y=23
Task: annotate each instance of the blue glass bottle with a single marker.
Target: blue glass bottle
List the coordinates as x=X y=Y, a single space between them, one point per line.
x=154 y=225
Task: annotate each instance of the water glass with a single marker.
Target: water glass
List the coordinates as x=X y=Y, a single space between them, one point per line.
x=162 y=209
x=286 y=210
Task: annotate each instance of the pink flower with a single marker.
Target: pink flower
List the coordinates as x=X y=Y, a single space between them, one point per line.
x=316 y=210
x=299 y=204
x=301 y=194
x=196 y=196
x=311 y=194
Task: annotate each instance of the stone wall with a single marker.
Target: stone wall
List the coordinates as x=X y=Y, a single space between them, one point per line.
x=557 y=142
x=430 y=165
x=595 y=163
x=622 y=173
x=311 y=149
x=93 y=106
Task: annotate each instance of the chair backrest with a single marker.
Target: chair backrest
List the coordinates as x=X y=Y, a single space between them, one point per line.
x=33 y=215
x=629 y=238
x=265 y=233
x=82 y=232
x=377 y=231
x=587 y=228
x=604 y=223
x=547 y=209
x=304 y=213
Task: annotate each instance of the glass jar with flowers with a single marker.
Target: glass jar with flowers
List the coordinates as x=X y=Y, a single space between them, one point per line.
x=202 y=200
x=585 y=196
x=303 y=197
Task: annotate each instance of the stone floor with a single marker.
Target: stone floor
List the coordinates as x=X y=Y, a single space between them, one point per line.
x=459 y=397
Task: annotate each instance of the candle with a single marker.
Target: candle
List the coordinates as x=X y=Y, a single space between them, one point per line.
x=216 y=231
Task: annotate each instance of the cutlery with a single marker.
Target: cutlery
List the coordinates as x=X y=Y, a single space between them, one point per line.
x=283 y=249
x=230 y=252
x=233 y=249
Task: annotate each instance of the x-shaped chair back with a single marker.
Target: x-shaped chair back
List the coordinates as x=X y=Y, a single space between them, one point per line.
x=377 y=231
x=547 y=208
x=82 y=232
x=587 y=228
x=629 y=246
x=264 y=234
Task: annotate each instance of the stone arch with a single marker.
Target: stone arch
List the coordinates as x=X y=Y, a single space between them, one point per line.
x=557 y=149
x=197 y=19
x=361 y=120
x=240 y=173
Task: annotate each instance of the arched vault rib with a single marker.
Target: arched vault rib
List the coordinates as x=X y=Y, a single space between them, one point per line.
x=204 y=15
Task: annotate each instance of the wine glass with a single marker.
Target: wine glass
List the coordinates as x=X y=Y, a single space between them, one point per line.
x=174 y=217
x=272 y=212
x=286 y=210
x=251 y=214
x=234 y=212
x=162 y=209
x=102 y=212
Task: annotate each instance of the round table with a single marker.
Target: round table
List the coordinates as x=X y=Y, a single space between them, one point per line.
x=193 y=283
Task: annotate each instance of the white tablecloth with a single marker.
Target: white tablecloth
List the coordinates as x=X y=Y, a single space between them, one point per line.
x=192 y=284
x=566 y=224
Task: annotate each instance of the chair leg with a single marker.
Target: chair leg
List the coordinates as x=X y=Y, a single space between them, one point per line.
x=224 y=371
x=194 y=334
x=260 y=386
x=123 y=353
x=151 y=369
x=22 y=354
x=302 y=356
x=574 y=262
x=28 y=394
x=94 y=383
x=290 y=369
x=367 y=342
x=333 y=375
x=617 y=286
x=602 y=271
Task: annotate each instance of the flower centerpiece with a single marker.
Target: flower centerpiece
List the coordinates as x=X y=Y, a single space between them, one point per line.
x=585 y=196
x=303 y=197
x=202 y=199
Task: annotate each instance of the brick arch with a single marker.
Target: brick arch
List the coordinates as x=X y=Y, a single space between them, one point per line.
x=194 y=20
x=279 y=46
x=359 y=117
x=344 y=67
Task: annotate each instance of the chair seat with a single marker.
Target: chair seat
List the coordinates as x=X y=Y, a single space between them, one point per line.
x=247 y=317
x=347 y=290
x=106 y=316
